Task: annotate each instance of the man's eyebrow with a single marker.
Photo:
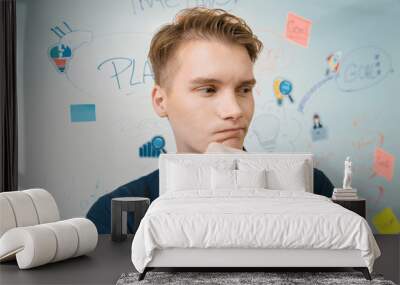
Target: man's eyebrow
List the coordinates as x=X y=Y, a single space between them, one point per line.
x=204 y=80
x=251 y=82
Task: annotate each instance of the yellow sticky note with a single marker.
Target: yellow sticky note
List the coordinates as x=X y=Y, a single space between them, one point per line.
x=386 y=222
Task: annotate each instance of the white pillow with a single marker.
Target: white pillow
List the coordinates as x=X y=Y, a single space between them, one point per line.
x=186 y=175
x=287 y=179
x=251 y=178
x=281 y=174
x=223 y=179
x=227 y=179
x=181 y=177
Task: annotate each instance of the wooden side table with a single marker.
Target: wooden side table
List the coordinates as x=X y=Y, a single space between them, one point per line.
x=356 y=205
x=119 y=212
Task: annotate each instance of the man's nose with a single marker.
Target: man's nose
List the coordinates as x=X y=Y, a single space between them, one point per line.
x=229 y=107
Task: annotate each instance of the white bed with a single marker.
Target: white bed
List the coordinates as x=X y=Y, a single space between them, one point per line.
x=289 y=226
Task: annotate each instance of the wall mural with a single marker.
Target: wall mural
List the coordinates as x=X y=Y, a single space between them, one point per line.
x=107 y=70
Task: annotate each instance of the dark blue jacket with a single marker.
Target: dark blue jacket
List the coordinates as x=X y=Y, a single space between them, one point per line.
x=147 y=186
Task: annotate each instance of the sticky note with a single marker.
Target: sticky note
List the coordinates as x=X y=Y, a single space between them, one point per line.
x=83 y=113
x=298 y=29
x=319 y=134
x=383 y=164
x=386 y=222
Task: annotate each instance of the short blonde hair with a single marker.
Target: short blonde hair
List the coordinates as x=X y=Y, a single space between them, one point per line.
x=199 y=23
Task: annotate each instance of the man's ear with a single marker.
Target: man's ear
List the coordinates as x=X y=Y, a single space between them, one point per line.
x=159 y=100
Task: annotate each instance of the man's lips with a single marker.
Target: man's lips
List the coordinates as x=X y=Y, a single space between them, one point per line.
x=229 y=130
x=225 y=134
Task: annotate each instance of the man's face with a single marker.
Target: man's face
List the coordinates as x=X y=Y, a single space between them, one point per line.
x=209 y=97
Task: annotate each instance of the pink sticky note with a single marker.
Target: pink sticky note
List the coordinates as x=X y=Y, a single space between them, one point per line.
x=383 y=164
x=298 y=29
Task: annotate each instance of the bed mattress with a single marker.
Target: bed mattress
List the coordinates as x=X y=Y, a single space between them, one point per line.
x=250 y=219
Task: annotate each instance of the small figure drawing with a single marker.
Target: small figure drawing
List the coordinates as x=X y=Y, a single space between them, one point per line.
x=317 y=122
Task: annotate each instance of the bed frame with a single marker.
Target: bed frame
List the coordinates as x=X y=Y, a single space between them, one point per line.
x=247 y=259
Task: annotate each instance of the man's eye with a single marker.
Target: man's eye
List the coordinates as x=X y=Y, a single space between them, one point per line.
x=207 y=90
x=245 y=90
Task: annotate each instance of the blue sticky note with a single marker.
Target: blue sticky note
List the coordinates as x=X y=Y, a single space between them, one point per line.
x=83 y=113
x=319 y=134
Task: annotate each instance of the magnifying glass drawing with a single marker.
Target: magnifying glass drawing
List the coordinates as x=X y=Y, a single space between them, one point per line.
x=158 y=143
x=285 y=88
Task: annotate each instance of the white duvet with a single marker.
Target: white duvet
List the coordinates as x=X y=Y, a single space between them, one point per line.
x=252 y=218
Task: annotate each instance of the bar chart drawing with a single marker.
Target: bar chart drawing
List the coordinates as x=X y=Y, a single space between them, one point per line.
x=153 y=148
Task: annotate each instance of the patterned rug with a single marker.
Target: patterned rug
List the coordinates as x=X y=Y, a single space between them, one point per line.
x=229 y=278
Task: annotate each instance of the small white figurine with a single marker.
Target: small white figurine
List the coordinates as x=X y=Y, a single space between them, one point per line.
x=347 y=174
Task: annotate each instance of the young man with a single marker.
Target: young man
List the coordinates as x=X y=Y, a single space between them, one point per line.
x=203 y=67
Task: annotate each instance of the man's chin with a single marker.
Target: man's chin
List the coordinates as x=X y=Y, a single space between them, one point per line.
x=233 y=143
x=236 y=143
